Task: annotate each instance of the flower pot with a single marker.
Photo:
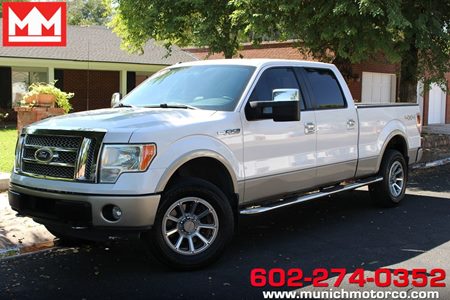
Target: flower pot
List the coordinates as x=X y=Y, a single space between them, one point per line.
x=46 y=100
x=31 y=99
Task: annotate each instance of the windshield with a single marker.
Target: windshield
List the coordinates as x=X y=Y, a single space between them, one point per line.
x=212 y=87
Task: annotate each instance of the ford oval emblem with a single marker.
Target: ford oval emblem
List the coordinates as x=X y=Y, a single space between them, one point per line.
x=43 y=155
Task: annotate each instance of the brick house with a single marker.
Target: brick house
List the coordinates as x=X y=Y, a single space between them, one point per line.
x=374 y=81
x=92 y=65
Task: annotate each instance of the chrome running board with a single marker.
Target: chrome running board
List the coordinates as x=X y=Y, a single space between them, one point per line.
x=294 y=200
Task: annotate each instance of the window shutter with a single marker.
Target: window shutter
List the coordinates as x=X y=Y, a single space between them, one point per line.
x=5 y=88
x=59 y=76
x=131 y=81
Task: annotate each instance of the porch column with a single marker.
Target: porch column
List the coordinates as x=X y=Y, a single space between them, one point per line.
x=123 y=83
x=51 y=74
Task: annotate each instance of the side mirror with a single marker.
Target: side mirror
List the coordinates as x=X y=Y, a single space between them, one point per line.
x=284 y=107
x=285 y=95
x=115 y=99
x=282 y=111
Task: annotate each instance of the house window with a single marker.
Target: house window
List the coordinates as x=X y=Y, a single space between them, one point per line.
x=21 y=80
x=378 y=87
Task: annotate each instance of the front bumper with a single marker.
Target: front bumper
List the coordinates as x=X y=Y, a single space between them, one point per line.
x=83 y=211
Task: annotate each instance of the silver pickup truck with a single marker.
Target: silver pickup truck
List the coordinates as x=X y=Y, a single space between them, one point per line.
x=176 y=160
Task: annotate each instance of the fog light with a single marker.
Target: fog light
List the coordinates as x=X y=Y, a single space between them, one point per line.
x=112 y=213
x=116 y=212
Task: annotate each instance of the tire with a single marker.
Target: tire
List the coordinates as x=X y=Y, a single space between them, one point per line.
x=391 y=190
x=179 y=237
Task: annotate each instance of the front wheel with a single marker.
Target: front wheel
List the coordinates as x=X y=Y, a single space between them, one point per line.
x=391 y=190
x=192 y=226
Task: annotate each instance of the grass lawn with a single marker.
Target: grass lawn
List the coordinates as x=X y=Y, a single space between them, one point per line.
x=8 y=139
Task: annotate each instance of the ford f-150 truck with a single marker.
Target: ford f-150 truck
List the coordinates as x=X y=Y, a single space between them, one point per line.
x=181 y=156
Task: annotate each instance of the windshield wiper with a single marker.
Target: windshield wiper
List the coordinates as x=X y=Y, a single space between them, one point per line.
x=125 y=105
x=171 y=105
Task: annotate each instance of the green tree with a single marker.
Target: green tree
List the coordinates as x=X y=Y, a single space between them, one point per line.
x=424 y=45
x=87 y=12
x=217 y=24
x=2 y=1
x=413 y=33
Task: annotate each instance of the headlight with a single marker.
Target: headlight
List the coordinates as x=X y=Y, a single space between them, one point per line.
x=118 y=159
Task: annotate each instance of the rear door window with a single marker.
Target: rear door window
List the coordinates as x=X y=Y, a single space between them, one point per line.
x=325 y=88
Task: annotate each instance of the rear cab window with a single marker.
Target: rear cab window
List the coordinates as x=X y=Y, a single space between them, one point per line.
x=324 y=88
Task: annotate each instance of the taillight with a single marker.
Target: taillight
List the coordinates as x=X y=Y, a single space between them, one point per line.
x=419 y=122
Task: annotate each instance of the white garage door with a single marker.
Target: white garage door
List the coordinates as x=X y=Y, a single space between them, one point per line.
x=378 y=87
x=436 y=107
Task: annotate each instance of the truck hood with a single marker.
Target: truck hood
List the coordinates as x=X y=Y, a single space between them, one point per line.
x=120 y=123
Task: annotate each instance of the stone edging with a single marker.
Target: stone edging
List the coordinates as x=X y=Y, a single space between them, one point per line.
x=4 y=181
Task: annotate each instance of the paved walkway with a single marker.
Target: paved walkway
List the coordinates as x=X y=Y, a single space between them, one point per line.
x=4 y=180
x=18 y=235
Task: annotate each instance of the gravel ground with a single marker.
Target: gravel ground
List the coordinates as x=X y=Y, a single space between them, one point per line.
x=19 y=235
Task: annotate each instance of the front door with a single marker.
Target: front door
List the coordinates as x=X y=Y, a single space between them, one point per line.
x=279 y=157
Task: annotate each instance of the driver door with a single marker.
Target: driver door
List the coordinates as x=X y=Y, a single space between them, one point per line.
x=279 y=157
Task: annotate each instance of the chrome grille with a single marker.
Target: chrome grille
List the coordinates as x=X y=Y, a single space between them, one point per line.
x=62 y=157
x=90 y=161
x=72 y=142
x=70 y=157
x=48 y=170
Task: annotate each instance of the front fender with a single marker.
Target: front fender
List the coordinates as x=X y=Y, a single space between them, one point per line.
x=191 y=147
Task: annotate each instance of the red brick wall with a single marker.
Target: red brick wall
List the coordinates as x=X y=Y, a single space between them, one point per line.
x=286 y=50
x=425 y=108
x=447 y=106
x=282 y=50
x=93 y=89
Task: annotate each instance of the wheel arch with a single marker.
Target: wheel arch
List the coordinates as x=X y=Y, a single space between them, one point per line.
x=202 y=164
x=396 y=140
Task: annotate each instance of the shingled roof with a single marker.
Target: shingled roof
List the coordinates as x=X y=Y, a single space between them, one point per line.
x=97 y=44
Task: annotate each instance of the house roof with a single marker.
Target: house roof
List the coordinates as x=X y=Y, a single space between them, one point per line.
x=97 y=44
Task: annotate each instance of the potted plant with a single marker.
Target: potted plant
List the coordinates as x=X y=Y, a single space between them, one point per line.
x=47 y=94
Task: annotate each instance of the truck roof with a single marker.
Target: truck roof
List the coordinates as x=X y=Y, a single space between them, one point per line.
x=256 y=62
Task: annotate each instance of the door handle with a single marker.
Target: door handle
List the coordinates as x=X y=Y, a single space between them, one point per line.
x=351 y=124
x=310 y=128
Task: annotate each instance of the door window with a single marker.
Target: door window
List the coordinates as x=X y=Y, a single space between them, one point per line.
x=325 y=89
x=273 y=79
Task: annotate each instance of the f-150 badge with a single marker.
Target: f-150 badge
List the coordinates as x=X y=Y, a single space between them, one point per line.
x=229 y=131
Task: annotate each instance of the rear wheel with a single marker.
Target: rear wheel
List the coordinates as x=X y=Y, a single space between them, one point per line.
x=391 y=190
x=193 y=224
